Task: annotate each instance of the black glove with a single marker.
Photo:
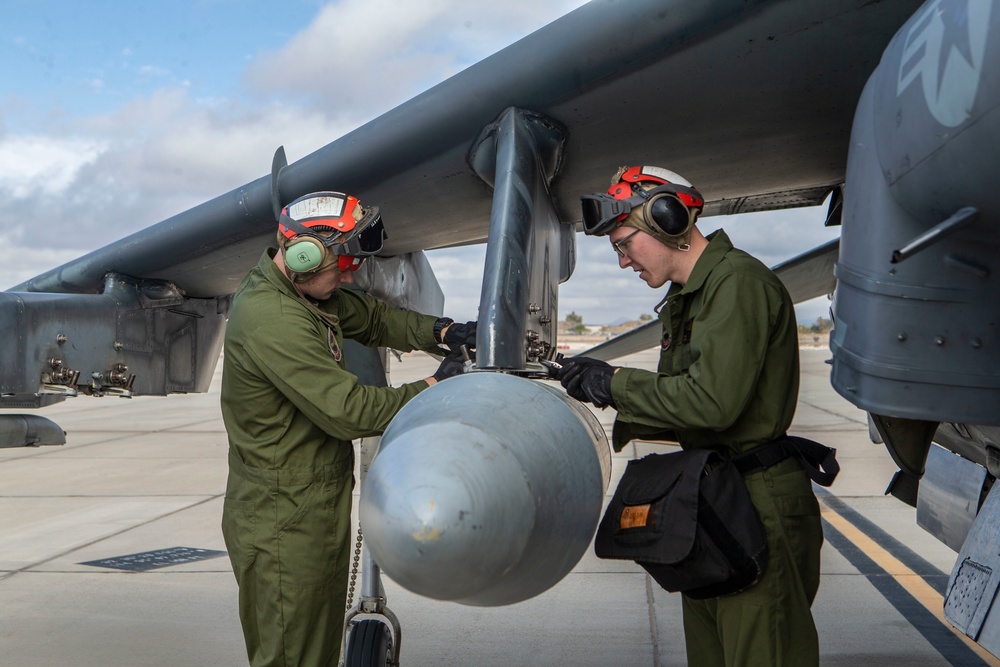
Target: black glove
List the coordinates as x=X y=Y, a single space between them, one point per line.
x=458 y=335
x=452 y=365
x=587 y=380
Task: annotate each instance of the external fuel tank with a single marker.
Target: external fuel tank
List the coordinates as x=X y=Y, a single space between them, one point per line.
x=486 y=490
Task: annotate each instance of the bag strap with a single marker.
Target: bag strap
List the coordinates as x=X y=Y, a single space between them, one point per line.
x=818 y=461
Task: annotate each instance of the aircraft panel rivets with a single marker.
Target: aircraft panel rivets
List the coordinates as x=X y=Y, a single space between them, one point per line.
x=61 y=338
x=976 y=343
x=118 y=345
x=901 y=336
x=939 y=341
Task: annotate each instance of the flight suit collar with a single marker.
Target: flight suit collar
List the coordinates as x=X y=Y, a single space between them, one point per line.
x=718 y=245
x=273 y=274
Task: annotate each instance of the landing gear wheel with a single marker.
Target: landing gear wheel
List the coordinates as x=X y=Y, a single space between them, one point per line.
x=369 y=645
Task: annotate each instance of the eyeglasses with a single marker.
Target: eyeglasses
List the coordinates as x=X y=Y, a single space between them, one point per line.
x=619 y=246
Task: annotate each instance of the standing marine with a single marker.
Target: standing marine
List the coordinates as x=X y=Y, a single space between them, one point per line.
x=291 y=410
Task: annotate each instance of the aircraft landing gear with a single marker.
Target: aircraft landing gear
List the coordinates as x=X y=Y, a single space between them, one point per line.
x=372 y=635
x=370 y=645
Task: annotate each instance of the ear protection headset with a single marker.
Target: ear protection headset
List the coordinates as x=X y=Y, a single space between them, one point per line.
x=323 y=228
x=666 y=210
x=671 y=205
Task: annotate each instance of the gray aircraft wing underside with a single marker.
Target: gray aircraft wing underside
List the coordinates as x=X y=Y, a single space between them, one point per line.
x=752 y=101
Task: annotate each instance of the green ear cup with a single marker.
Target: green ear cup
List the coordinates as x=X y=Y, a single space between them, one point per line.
x=303 y=256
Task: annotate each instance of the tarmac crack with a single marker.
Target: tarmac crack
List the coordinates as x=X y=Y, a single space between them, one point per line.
x=834 y=413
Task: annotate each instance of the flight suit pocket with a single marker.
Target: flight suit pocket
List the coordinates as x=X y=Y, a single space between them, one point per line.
x=795 y=523
x=313 y=535
x=239 y=525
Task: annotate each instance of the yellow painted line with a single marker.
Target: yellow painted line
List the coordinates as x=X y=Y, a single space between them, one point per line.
x=911 y=582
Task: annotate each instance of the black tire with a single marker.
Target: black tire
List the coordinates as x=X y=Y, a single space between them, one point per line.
x=369 y=645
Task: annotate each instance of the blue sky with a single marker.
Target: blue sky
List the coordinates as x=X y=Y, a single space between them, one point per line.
x=89 y=58
x=115 y=115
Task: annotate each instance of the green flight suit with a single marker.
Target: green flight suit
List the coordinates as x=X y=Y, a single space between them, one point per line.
x=728 y=375
x=291 y=411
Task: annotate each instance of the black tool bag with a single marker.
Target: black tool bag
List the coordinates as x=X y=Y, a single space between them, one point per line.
x=688 y=520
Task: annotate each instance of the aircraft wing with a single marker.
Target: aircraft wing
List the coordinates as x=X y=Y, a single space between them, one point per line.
x=750 y=100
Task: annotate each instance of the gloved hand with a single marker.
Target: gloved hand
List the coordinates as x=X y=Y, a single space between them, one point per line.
x=458 y=335
x=587 y=380
x=452 y=365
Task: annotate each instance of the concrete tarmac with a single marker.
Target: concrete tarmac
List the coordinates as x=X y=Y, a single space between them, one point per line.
x=148 y=475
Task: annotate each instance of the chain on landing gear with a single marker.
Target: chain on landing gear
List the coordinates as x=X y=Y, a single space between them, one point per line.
x=372 y=634
x=354 y=569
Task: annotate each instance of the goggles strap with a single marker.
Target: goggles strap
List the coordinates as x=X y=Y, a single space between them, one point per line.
x=294 y=225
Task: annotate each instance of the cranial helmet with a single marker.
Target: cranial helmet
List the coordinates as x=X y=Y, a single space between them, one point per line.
x=655 y=200
x=325 y=229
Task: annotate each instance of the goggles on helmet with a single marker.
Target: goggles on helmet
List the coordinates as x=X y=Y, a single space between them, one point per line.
x=322 y=226
x=603 y=211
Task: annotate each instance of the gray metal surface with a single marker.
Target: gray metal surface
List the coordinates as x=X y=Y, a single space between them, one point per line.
x=948 y=500
x=528 y=252
x=29 y=431
x=977 y=443
x=405 y=281
x=972 y=587
x=810 y=274
x=918 y=338
x=486 y=490
x=141 y=337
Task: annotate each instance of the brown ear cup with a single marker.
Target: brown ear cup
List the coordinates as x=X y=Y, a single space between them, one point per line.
x=667 y=213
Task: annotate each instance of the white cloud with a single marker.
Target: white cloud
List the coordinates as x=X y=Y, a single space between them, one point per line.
x=33 y=165
x=360 y=58
x=146 y=161
x=20 y=261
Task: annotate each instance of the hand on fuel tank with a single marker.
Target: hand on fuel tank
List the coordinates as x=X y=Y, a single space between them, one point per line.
x=452 y=365
x=587 y=380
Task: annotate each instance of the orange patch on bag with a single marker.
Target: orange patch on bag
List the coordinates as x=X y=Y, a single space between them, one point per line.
x=634 y=516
